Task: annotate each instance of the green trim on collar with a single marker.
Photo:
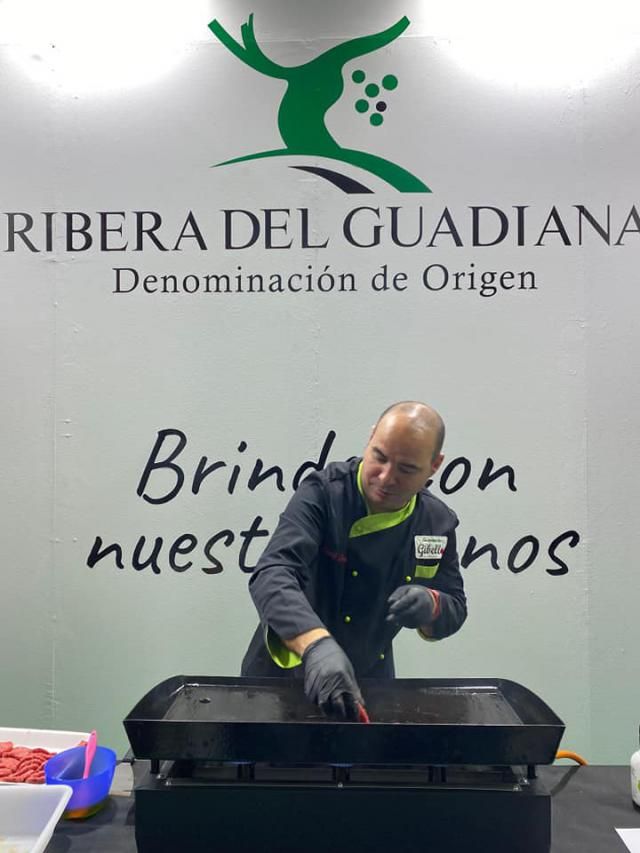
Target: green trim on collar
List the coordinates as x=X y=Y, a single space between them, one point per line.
x=373 y=522
x=359 y=482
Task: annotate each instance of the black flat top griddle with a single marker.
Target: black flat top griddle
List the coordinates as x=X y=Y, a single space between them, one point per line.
x=413 y=721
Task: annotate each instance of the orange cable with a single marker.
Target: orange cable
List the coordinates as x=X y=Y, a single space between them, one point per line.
x=566 y=753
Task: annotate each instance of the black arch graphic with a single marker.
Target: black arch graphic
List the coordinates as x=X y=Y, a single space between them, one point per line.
x=346 y=184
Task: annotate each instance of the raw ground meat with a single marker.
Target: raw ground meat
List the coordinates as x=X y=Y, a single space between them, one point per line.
x=21 y=764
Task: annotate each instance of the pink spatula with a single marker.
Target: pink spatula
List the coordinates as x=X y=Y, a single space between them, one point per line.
x=89 y=752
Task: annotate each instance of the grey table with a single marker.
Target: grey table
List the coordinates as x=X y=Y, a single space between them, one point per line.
x=587 y=804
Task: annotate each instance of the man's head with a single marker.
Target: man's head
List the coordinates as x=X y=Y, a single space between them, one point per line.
x=404 y=450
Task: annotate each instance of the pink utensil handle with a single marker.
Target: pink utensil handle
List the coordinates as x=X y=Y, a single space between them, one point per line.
x=89 y=752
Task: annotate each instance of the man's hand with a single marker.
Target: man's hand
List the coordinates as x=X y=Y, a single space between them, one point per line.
x=412 y=606
x=329 y=680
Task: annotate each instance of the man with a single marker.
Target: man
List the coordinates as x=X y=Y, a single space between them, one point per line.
x=361 y=550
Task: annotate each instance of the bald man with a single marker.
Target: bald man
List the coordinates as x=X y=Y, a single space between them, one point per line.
x=362 y=550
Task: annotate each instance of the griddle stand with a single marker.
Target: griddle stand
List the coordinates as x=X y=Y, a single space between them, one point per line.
x=247 y=807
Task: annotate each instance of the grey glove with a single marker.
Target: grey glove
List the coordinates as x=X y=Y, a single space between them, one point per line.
x=411 y=606
x=329 y=679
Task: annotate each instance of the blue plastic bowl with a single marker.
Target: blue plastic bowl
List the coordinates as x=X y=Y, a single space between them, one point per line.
x=90 y=794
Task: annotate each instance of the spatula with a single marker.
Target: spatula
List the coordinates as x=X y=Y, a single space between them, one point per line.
x=89 y=752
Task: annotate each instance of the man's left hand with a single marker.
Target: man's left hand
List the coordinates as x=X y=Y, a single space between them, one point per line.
x=412 y=606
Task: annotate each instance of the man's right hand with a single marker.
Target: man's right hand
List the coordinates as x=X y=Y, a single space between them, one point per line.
x=329 y=679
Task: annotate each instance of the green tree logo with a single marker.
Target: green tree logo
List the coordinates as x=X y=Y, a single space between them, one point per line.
x=314 y=87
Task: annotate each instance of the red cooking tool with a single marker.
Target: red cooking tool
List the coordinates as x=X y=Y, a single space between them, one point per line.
x=363 y=717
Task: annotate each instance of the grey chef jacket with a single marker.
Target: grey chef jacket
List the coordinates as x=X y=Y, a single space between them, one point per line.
x=331 y=564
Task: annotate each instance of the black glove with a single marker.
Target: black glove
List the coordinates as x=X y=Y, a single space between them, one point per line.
x=329 y=680
x=411 y=606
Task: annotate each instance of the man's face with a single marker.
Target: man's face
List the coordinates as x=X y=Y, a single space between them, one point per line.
x=397 y=462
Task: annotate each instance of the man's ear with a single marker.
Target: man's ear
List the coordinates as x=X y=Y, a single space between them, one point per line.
x=437 y=462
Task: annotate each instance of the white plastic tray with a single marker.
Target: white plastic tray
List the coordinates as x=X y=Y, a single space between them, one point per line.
x=29 y=814
x=54 y=741
x=44 y=738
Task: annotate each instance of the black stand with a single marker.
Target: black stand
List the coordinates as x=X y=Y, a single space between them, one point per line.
x=245 y=816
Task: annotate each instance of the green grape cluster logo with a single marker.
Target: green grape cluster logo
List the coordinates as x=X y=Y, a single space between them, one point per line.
x=314 y=87
x=372 y=91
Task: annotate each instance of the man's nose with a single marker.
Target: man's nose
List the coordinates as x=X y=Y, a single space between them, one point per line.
x=386 y=475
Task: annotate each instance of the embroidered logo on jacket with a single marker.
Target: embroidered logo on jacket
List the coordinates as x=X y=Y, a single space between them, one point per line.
x=430 y=547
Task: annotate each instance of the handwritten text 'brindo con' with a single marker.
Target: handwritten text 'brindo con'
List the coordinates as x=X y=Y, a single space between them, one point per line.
x=165 y=477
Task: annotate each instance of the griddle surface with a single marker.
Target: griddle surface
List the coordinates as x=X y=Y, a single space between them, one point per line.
x=451 y=705
x=414 y=721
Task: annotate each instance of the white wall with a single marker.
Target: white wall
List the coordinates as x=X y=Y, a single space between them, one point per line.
x=542 y=380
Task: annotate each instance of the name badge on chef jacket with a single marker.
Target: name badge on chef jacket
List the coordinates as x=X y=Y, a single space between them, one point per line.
x=430 y=547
